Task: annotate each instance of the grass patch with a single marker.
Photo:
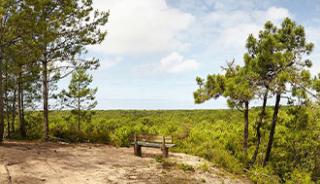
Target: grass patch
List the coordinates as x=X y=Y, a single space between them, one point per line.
x=186 y=167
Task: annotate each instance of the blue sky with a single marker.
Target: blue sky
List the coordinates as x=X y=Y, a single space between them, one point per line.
x=155 y=48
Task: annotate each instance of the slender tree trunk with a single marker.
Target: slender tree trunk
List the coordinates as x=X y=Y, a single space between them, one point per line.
x=13 y=110
x=246 y=127
x=7 y=103
x=259 y=124
x=273 y=128
x=1 y=99
x=22 y=113
x=20 y=108
x=45 y=99
x=79 y=115
x=7 y=114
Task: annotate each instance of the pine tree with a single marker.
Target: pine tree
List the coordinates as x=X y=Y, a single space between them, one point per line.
x=16 y=24
x=64 y=29
x=80 y=97
x=274 y=65
x=236 y=86
x=276 y=59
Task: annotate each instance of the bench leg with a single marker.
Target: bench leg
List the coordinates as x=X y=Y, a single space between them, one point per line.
x=165 y=152
x=137 y=150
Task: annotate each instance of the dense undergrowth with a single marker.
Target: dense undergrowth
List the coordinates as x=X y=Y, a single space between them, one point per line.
x=213 y=134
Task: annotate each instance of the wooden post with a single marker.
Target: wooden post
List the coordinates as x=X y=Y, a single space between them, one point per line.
x=139 y=152
x=135 y=144
x=137 y=148
x=164 y=149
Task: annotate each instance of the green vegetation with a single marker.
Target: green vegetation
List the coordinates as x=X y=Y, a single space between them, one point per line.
x=186 y=167
x=204 y=167
x=79 y=97
x=212 y=134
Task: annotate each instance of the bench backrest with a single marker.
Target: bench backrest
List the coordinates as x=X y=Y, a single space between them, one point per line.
x=154 y=138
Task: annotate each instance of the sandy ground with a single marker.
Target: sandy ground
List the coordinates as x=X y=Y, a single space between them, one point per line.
x=53 y=163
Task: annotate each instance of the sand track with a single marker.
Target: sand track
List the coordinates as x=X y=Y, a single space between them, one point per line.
x=53 y=163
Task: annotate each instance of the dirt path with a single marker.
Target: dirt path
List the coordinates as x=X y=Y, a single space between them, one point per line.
x=52 y=163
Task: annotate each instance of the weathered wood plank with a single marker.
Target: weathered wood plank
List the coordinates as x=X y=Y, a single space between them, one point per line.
x=153 y=138
x=153 y=145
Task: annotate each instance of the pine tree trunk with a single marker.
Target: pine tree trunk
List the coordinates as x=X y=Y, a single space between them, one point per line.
x=45 y=99
x=273 y=128
x=7 y=103
x=22 y=113
x=1 y=99
x=7 y=114
x=79 y=115
x=20 y=108
x=13 y=115
x=259 y=124
x=246 y=127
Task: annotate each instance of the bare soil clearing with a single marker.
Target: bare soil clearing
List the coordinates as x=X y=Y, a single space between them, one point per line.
x=53 y=163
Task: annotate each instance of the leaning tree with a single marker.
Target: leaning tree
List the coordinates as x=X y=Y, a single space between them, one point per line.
x=235 y=85
x=277 y=59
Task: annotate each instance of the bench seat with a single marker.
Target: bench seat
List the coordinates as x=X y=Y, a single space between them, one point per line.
x=152 y=144
x=152 y=141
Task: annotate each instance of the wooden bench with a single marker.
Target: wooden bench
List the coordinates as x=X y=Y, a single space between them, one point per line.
x=152 y=141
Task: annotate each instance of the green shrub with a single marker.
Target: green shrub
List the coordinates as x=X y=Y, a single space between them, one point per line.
x=122 y=136
x=226 y=160
x=263 y=175
x=34 y=125
x=299 y=177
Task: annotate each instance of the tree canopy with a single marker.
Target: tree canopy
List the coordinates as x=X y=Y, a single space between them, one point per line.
x=42 y=41
x=275 y=66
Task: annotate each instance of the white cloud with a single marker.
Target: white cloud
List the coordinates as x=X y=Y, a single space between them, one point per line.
x=153 y=27
x=176 y=63
x=172 y=63
x=276 y=13
x=108 y=63
x=234 y=26
x=223 y=32
x=142 y=26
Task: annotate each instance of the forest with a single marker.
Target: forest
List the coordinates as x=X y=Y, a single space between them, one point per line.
x=44 y=41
